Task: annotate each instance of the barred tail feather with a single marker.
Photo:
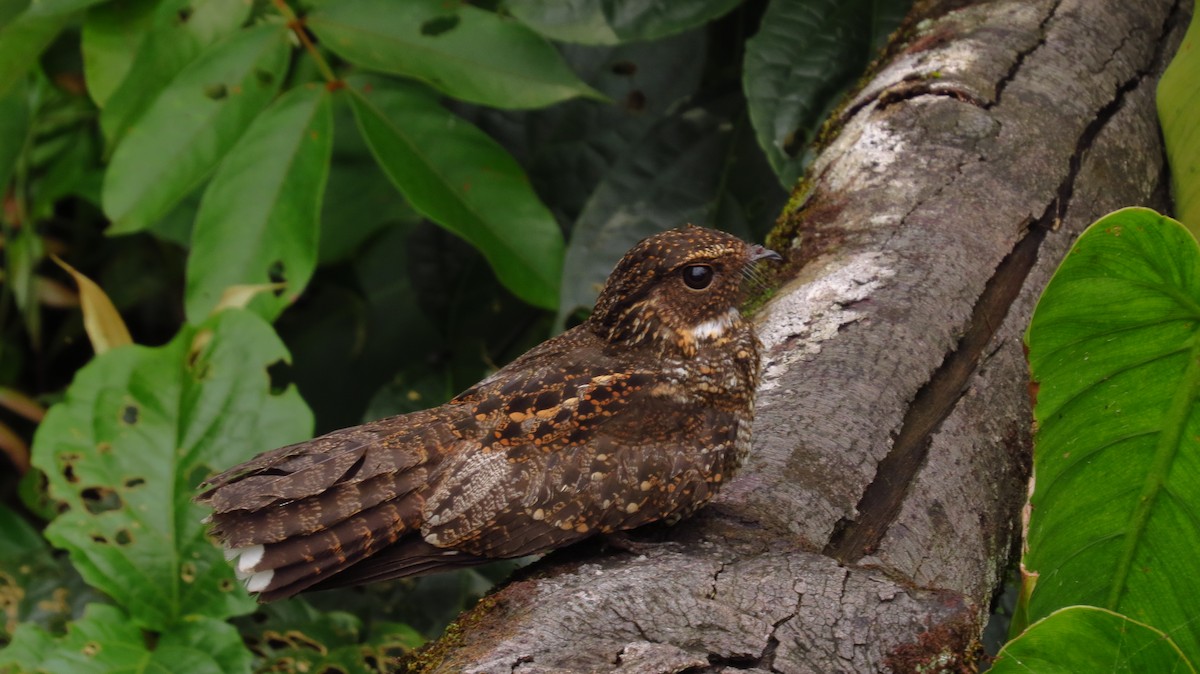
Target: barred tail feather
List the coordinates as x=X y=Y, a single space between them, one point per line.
x=282 y=568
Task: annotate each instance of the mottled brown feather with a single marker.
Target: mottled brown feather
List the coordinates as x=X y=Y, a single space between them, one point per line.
x=635 y=416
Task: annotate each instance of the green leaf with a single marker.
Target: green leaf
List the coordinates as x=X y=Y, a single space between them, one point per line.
x=360 y=199
x=22 y=42
x=55 y=7
x=22 y=254
x=805 y=53
x=293 y=636
x=258 y=218
x=110 y=37
x=698 y=166
x=166 y=48
x=138 y=430
x=11 y=9
x=567 y=148
x=1114 y=347
x=613 y=21
x=191 y=126
x=1088 y=639
x=14 y=130
x=457 y=176
x=1178 y=102
x=35 y=586
x=467 y=52
x=105 y=641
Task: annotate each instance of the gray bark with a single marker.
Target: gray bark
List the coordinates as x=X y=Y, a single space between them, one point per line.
x=880 y=506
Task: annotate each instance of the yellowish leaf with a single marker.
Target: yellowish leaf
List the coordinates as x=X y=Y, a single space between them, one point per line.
x=104 y=325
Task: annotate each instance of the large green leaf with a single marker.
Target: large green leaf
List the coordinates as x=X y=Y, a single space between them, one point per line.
x=169 y=45
x=614 y=21
x=360 y=199
x=110 y=37
x=138 y=430
x=467 y=52
x=805 y=53
x=258 y=219
x=22 y=42
x=457 y=176
x=1087 y=639
x=191 y=125
x=1179 y=114
x=1114 y=346
x=104 y=641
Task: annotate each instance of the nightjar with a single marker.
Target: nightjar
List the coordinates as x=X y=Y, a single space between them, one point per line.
x=636 y=415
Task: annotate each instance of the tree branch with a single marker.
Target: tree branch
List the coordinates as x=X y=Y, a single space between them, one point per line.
x=893 y=425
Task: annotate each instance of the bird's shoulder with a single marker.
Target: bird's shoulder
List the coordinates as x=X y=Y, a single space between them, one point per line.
x=551 y=396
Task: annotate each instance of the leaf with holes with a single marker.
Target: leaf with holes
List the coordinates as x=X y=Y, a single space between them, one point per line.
x=188 y=129
x=457 y=176
x=615 y=21
x=36 y=586
x=469 y=53
x=105 y=641
x=1089 y=639
x=138 y=430
x=178 y=34
x=292 y=636
x=258 y=218
x=1114 y=348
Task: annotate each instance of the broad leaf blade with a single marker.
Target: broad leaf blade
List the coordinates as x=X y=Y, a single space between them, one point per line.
x=457 y=176
x=104 y=641
x=615 y=21
x=165 y=50
x=467 y=52
x=1088 y=639
x=191 y=126
x=805 y=53
x=1178 y=103
x=138 y=430
x=258 y=217
x=22 y=42
x=1114 y=346
x=109 y=40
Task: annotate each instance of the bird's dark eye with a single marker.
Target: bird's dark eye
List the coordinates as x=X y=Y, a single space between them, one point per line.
x=697 y=276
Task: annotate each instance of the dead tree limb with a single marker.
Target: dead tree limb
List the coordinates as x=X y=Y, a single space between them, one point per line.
x=879 y=509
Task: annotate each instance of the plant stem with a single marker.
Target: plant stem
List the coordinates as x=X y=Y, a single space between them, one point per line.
x=297 y=25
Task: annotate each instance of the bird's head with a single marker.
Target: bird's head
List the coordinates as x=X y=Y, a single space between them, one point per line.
x=683 y=286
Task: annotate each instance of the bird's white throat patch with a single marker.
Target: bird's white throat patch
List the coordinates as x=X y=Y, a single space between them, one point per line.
x=714 y=327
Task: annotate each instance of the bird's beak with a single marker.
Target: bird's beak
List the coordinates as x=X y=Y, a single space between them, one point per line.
x=758 y=252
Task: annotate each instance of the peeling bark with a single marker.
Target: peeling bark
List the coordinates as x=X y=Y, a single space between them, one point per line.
x=878 y=510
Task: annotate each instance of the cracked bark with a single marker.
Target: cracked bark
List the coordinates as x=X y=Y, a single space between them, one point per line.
x=876 y=515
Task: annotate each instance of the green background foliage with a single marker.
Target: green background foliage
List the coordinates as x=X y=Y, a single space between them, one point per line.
x=309 y=214
x=1113 y=349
